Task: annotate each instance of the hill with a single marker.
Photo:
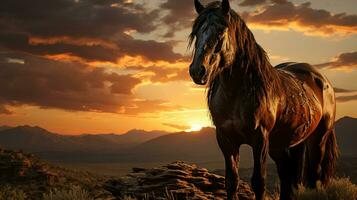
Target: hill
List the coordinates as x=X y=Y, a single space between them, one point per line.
x=346 y=129
x=2 y=128
x=37 y=140
x=197 y=146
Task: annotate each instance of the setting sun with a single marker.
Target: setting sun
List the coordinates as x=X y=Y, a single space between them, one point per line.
x=195 y=127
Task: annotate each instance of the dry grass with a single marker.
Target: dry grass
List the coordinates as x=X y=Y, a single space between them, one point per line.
x=75 y=192
x=338 y=189
x=9 y=193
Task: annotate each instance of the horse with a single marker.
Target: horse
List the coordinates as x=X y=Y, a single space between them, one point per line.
x=286 y=111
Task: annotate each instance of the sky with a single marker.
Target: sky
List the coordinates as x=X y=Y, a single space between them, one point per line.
x=109 y=66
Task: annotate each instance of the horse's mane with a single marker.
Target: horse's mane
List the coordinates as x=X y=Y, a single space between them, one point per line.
x=251 y=61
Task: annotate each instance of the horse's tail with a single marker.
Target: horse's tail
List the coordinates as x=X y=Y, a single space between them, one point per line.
x=330 y=157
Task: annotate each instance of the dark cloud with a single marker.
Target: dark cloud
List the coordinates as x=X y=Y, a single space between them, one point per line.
x=344 y=60
x=82 y=18
x=29 y=80
x=343 y=99
x=281 y=13
x=124 y=45
x=149 y=49
x=181 y=14
x=104 y=21
x=259 y=2
x=176 y=126
x=252 y=2
x=21 y=42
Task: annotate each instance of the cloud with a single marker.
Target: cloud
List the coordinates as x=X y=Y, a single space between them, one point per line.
x=5 y=111
x=283 y=14
x=180 y=15
x=97 y=19
x=344 y=60
x=341 y=90
x=163 y=74
x=70 y=86
x=176 y=126
x=252 y=2
x=87 y=30
x=149 y=49
x=343 y=99
x=345 y=95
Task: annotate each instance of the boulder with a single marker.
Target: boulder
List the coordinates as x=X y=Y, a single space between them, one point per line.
x=177 y=180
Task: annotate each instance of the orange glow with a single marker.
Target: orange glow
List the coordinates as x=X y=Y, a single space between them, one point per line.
x=128 y=61
x=65 y=57
x=325 y=31
x=70 y=40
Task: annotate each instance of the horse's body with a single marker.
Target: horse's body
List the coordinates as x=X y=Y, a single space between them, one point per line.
x=290 y=111
x=287 y=111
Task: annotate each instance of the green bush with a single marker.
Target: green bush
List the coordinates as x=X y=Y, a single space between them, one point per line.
x=75 y=192
x=337 y=189
x=9 y=193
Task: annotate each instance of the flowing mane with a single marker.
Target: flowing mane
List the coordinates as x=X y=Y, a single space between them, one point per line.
x=250 y=59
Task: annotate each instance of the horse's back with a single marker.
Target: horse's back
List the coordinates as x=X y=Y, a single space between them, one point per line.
x=309 y=75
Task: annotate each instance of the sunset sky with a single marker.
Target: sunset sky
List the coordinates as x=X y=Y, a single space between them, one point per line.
x=103 y=66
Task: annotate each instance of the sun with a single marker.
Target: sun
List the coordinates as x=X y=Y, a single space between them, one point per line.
x=195 y=127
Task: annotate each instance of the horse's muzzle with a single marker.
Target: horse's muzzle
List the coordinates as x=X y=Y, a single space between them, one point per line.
x=198 y=75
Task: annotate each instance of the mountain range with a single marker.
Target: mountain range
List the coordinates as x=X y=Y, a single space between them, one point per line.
x=141 y=146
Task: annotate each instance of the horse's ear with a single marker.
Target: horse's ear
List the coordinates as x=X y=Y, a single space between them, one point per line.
x=198 y=6
x=225 y=6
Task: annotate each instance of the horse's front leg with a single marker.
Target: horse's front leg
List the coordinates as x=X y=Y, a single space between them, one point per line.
x=231 y=156
x=260 y=152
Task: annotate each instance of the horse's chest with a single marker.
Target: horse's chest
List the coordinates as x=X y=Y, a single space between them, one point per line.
x=229 y=112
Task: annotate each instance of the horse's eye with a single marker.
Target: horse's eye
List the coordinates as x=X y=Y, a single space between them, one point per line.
x=218 y=46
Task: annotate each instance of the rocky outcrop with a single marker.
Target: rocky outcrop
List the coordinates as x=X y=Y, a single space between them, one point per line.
x=174 y=181
x=19 y=168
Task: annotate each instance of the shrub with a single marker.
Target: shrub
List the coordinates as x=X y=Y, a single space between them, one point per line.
x=9 y=193
x=75 y=192
x=337 y=189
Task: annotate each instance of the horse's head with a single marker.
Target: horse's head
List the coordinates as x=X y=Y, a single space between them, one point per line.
x=213 y=48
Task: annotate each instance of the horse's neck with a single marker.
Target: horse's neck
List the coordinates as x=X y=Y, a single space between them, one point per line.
x=249 y=76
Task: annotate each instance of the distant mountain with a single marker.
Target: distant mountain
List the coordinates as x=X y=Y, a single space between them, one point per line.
x=36 y=139
x=134 y=136
x=140 y=146
x=346 y=129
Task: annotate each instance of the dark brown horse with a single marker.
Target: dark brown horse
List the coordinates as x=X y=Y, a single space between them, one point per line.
x=287 y=111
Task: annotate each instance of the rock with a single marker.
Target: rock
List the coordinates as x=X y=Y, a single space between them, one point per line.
x=177 y=180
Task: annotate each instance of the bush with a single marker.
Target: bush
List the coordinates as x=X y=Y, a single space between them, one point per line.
x=75 y=192
x=337 y=189
x=9 y=193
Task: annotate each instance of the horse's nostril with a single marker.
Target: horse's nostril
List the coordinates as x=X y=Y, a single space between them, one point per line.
x=202 y=71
